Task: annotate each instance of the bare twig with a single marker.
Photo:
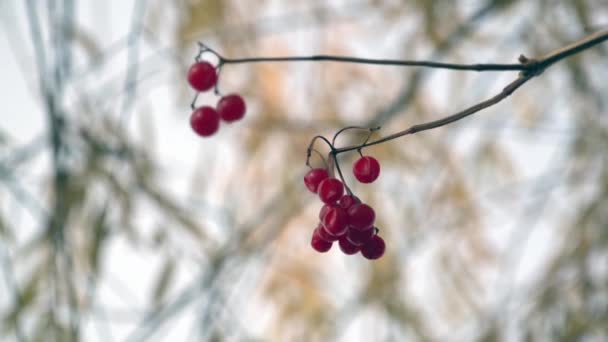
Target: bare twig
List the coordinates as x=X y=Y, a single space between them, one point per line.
x=532 y=67
x=545 y=61
x=130 y=87
x=508 y=90
x=348 y=59
x=528 y=69
x=395 y=62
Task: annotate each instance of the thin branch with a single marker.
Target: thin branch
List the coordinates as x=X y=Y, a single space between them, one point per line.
x=130 y=87
x=508 y=90
x=348 y=59
x=395 y=62
x=533 y=67
x=453 y=39
x=574 y=48
x=334 y=157
x=52 y=85
x=311 y=147
x=370 y=130
x=528 y=69
x=11 y=284
x=545 y=61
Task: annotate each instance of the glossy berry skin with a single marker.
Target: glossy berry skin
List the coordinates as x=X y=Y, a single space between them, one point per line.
x=313 y=177
x=325 y=235
x=335 y=221
x=330 y=190
x=205 y=121
x=347 y=247
x=231 y=108
x=202 y=76
x=324 y=210
x=318 y=243
x=359 y=237
x=374 y=248
x=366 y=169
x=361 y=216
x=348 y=201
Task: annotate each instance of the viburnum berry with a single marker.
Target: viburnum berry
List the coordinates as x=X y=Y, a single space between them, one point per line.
x=360 y=237
x=205 y=121
x=330 y=190
x=366 y=169
x=231 y=108
x=202 y=76
x=325 y=235
x=361 y=216
x=324 y=210
x=347 y=247
x=314 y=177
x=348 y=201
x=318 y=243
x=335 y=221
x=374 y=248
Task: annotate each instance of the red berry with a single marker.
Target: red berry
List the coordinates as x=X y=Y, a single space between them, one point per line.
x=335 y=221
x=205 y=121
x=361 y=216
x=347 y=247
x=202 y=76
x=231 y=108
x=374 y=248
x=314 y=177
x=359 y=237
x=325 y=235
x=330 y=190
x=366 y=169
x=324 y=210
x=348 y=201
x=318 y=244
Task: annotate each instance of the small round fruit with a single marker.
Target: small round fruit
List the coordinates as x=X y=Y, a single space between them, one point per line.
x=205 y=121
x=324 y=210
x=314 y=177
x=374 y=248
x=325 y=235
x=361 y=216
x=231 y=108
x=348 y=201
x=202 y=76
x=335 y=221
x=366 y=169
x=318 y=243
x=330 y=190
x=347 y=247
x=359 y=237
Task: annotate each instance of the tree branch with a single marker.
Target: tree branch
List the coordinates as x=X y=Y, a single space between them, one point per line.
x=532 y=68
x=545 y=61
x=528 y=68
x=508 y=90
x=348 y=59
x=409 y=63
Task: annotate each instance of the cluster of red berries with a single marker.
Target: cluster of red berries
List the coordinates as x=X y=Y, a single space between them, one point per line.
x=344 y=218
x=205 y=120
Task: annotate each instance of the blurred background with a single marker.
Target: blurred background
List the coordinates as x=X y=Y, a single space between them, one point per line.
x=118 y=223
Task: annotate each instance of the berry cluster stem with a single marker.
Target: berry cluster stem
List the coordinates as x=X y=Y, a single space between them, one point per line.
x=540 y=63
x=334 y=157
x=385 y=62
x=508 y=90
x=527 y=67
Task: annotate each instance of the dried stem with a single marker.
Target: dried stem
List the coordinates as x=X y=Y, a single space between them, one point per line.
x=531 y=68
x=546 y=60
x=508 y=90
x=528 y=68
